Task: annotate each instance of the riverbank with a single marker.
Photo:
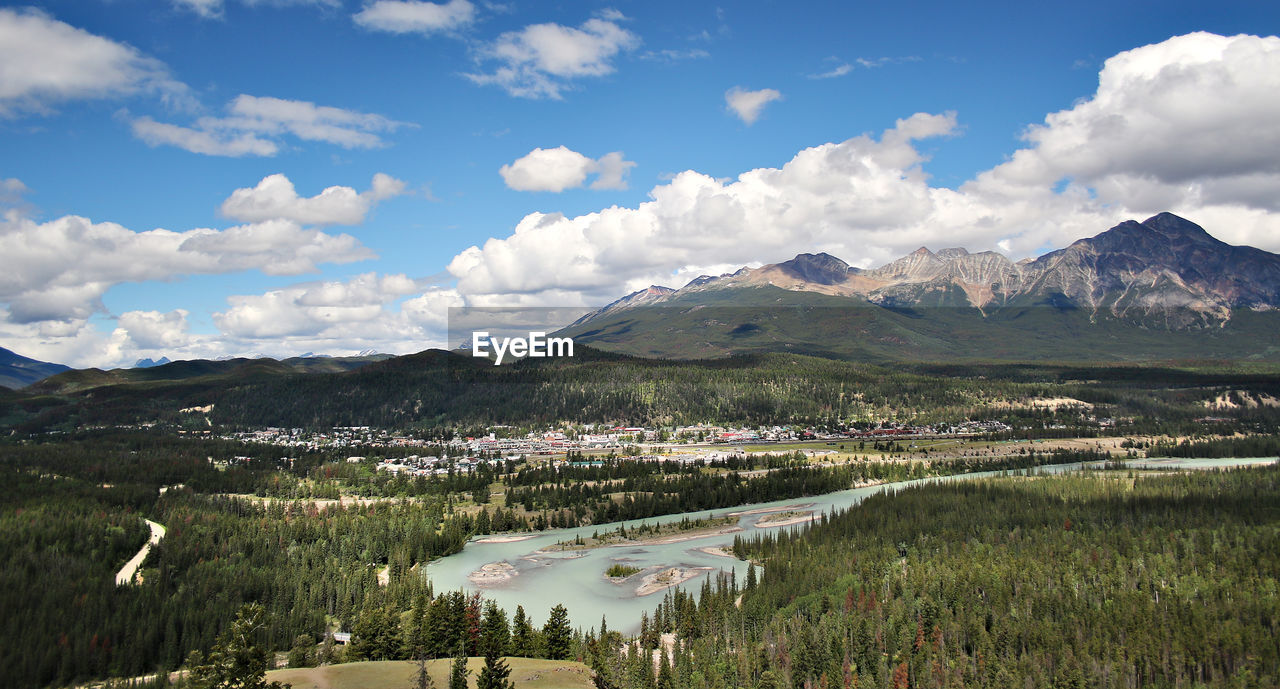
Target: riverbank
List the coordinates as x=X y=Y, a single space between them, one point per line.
x=666 y=578
x=493 y=573
x=646 y=534
x=785 y=519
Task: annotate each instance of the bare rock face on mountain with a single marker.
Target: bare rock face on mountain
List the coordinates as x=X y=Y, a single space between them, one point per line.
x=819 y=269
x=1165 y=271
x=648 y=296
x=1165 y=265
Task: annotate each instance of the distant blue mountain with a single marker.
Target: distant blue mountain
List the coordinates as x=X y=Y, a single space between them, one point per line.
x=17 y=371
x=151 y=363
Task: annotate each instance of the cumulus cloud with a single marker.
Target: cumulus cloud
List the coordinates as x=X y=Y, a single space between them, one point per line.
x=275 y=198
x=1188 y=125
x=540 y=60
x=340 y=316
x=557 y=169
x=44 y=62
x=816 y=199
x=748 y=104
x=59 y=270
x=254 y=126
x=155 y=330
x=415 y=16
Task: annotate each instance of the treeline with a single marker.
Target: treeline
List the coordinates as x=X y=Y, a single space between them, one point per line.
x=652 y=493
x=1072 y=581
x=440 y=391
x=1249 y=446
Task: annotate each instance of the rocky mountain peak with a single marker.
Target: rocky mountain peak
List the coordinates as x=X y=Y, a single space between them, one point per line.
x=820 y=268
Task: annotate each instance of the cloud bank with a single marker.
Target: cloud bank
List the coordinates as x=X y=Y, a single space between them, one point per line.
x=1189 y=125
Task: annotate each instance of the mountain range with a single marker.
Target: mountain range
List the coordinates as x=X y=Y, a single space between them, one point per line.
x=1162 y=288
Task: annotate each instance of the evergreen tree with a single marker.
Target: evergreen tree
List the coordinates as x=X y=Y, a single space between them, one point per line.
x=458 y=673
x=523 y=636
x=494 y=633
x=236 y=661
x=494 y=673
x=303 y=652
x=376 y=635
x=421 y=676
x=556 y=633
x=417 y=635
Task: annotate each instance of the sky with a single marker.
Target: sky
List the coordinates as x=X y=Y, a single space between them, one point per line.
x=211 y=178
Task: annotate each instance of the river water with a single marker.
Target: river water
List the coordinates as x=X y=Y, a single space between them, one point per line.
x=576 y=578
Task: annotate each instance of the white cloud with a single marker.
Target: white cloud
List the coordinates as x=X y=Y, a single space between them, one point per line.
x=612 y=171
x=275 y=198
x=1189 y=125
x=154 y=330
x=209 y=9
x=819 y=198
x=229 y=144
x=415 y=16
x=837 y=71
x=339 y=317
x=671 y=56
x=254 y=125
x=557 y=169
x=213 y=9
x=748 y=104
x=44 y=62
x=12 y=190
x=540 y=60
x=59 y=270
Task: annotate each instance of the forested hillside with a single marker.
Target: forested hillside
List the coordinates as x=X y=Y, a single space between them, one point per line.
x=437 y=391
x=1103 y=580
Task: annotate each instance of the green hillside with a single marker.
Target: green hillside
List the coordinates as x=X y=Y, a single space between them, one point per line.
x=933 y=327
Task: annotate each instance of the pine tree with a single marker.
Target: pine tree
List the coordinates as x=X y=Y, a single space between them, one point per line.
x=417 y=633
x=236 y=660
x=421 y=676
x=522 y=635
x=458 y=673
x=557 y=634
x=494 y=634
x=494 y=673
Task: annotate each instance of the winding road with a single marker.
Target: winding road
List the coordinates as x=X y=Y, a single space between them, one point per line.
x=126 y=573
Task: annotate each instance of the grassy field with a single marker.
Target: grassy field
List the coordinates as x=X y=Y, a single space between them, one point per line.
x=527 y=673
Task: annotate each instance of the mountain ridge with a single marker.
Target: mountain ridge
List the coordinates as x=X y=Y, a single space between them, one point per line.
x=1162 y=264
x=1160 y=289
x=17 y=371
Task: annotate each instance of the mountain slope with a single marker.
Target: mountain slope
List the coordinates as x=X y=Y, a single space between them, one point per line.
x=17 y=371
x=1160 y=289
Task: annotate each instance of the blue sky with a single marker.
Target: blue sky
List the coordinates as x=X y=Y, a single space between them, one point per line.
x=619 y=138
